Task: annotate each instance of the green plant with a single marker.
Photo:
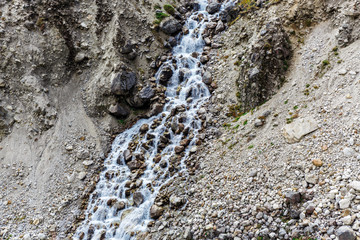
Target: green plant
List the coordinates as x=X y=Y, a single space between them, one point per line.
x=251 y=146
x=122 y=121
x=296 y=107
x=157 y=7
x=160 y=16
x=307 y=22
x=335 y=49
x=169 y=9
x=245 y=122
x=286 y=101
x=325 y=62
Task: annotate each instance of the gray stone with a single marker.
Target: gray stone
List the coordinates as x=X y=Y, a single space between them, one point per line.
x=355 y=185
x=79 y=57
x=127 y=155
x=293 y=197
x=166 y=74
x=344 y=203
x=123 y=83
x=156 y=211
x=348 y=152
x=310 y=209
x=171 y=26
x=311 y=178
x=119 y=110
x=176 y=201
x=345 y=233
x=138 y=198
x=294 y=131
x=213 y=7
x=207 y=78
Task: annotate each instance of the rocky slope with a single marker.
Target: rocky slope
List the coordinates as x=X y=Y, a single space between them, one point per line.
x=283 y=166
x=72 y=75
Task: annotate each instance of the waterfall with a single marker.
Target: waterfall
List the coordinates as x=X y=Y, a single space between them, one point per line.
x=112 y=212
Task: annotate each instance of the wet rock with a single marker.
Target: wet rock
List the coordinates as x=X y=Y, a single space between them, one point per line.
x=219 y=27
x=171 y=26
x=213 y=7
x=119 y=205
x=294 y=131
x=207 y=78
x=127 y=155
x=156 y=109
x=123 y=83
x=142 y=98
x=134 y=164
x=179 y=149
x=138 y=198
x=204 y=59
x=119 y=110
x=156 y=211
x=166 y=74
x=144 y=128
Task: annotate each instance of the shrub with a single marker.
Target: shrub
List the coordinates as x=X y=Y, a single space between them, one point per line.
x=169 y=9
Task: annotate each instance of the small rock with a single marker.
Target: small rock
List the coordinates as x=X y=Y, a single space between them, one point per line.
x=82 y=175
x=348 y=151
x=317 y=162
x=342 y=71
x=344 y=203
x=179 y=149
x=310 y=208
x=355 y=185
x=345 y=233
x=88 y=163
x=193 y=149
x=156 y=211
x=294 y=131
x=176 y=201
x=311 y=178
x=138 y=198
x=79 y=57
x=144 y=128
x=293 y=197
x=347 y=220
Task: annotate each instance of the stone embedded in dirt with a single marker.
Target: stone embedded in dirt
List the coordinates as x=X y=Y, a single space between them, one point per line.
x=204 y=59
x=171 y=26
x=88 y=163
x=310 y=209
x=293 y=197
x=213 y=7
x=179 y=149
x=79 y=57
x=344 y=203
x=138 y=198
x=176 y=201
x=219 y=27
x=294 y=131
x=123 y=83
x=119 y=110
x=345 y=233
x=156 y=211
x=311 y=178
x=207 y=78
x=317 y=162
x=355 y=185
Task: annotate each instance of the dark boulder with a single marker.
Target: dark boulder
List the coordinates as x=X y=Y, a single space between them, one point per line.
x=142 y=98
x=119 y=110
x=166 y=74
x=213 y=7
x=171 y=26
x=123 y=83
x=138 y=198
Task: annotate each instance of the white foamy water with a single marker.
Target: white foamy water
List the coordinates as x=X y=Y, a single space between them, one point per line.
x=106 y=221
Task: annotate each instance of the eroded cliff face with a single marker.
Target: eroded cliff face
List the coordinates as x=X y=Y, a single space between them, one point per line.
x=59 y=108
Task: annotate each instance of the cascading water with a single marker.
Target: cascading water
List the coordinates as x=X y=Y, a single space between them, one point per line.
x=115 y=211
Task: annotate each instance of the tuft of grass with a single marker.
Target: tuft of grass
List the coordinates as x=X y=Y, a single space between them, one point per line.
x=157 y=7
x=169 y=9
x=251 y=146
x=325 y=62
x=160 y=16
